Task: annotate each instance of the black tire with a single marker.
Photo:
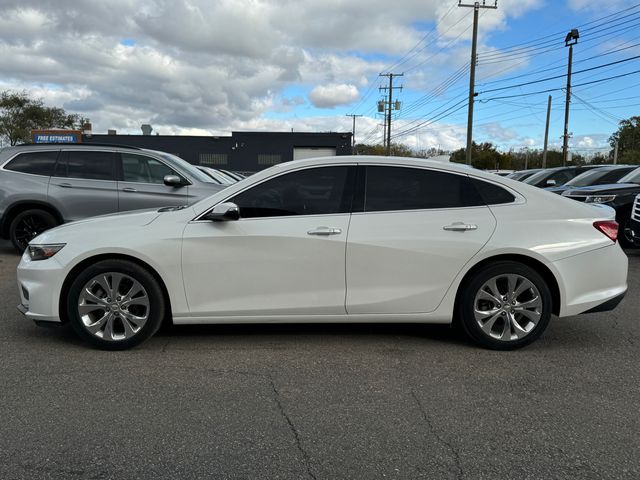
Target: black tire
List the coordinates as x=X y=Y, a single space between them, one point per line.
x=154 y=296
x=624 y=238
x=467 y=302
x=27 y=225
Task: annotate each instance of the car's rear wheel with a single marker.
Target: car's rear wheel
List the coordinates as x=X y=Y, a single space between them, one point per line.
x=27 y=225
x=505 y=306
x=115 y=304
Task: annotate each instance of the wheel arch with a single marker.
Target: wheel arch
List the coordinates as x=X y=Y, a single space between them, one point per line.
x=111 y=256
x=21 y=206
x=531 y=262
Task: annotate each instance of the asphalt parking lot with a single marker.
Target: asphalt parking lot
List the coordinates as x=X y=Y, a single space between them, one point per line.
x=321 y=402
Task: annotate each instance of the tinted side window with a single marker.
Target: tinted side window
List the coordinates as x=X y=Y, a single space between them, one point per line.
x=35 y=163
x=492 y=194
x=87 y=165
x=400 y=188
x=143 y=169
x=314 y=191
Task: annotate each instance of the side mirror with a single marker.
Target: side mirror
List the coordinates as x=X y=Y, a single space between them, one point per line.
x=223 y=212
x=551 y=182
x=172 y=181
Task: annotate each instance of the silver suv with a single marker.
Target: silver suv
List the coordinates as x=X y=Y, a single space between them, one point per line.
x=42 y=186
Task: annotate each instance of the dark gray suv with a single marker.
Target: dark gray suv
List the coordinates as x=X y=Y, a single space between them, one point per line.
x=42 y=186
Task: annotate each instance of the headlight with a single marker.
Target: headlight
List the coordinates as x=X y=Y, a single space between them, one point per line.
x=599 y=198
x=42 y=252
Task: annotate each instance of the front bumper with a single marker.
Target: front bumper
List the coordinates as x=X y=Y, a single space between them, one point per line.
x=635 y=232
x=39 y=284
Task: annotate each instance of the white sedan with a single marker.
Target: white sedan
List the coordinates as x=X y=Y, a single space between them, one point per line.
x=340 y=239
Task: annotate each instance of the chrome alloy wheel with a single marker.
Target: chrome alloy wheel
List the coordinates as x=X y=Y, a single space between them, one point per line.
x=507 y=307
x=113 y=306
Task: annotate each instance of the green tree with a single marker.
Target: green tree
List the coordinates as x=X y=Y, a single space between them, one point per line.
x=397 y=150
x=484 y=156
x=20 y=113
x=628 y=138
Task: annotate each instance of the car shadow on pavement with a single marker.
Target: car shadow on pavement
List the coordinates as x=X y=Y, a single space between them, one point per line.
x=315 y=333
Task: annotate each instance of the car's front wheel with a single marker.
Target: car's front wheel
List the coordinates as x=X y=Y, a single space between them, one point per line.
x=505 y=306
x=115 y=304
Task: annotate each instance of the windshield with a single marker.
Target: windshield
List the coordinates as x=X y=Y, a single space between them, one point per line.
x=633 y=177
x=588 y=178
x=183 y=164
x=537 y=177
x=522 y=175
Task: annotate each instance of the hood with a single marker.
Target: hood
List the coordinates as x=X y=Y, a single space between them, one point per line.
x=610 y=188
x=97 y=225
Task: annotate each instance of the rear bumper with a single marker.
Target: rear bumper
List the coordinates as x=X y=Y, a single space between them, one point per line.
x=592 y=280
x=608 y=305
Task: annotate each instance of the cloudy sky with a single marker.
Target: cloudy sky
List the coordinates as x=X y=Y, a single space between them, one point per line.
x=204 y=67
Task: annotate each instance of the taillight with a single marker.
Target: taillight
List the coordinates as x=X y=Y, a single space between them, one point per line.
x=608 y=227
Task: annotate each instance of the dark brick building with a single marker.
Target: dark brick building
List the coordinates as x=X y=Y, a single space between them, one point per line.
x=242 y=151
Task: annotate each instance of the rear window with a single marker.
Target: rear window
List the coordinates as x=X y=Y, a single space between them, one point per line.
x=34 y=163
x=404 y=188
x=492 y=194
x=87 y=165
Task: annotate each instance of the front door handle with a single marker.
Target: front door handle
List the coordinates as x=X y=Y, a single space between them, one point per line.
x=460 y=227
x=65 y=185
x=129 y=189
x=324 y=231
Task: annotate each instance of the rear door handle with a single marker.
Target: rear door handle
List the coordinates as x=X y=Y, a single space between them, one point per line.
x=324 y=231
x=129 y=189
x=64 y=185
x=460 y=227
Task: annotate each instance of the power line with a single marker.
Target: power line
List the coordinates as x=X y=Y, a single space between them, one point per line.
x=540 y=80
x=561 y=88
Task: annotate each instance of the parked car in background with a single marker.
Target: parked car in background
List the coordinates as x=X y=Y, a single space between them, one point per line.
x=502 y=173
x=236 y=175
x=521 y=175
x=217 y=175
x=42 y=186
x=551 y=177
x=597 y=176
x=634 y=223
x=353 y=239
x=619 y=195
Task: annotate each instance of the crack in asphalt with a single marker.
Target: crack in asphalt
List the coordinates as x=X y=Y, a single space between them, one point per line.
x=454 y=452
x=293 y=429
x=281 y=410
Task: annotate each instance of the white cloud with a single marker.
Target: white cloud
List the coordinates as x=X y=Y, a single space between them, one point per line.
x=333 y=95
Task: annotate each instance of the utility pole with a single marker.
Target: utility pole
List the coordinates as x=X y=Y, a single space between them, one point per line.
x=390 y=105
x=472 y=75
x=546 y=135
x=570 y=40
x=353 y=132
x=615 y=153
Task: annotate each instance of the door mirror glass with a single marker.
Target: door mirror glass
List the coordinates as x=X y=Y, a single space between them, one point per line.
x=551 y=182
x=172 y=181
x=223 y=212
